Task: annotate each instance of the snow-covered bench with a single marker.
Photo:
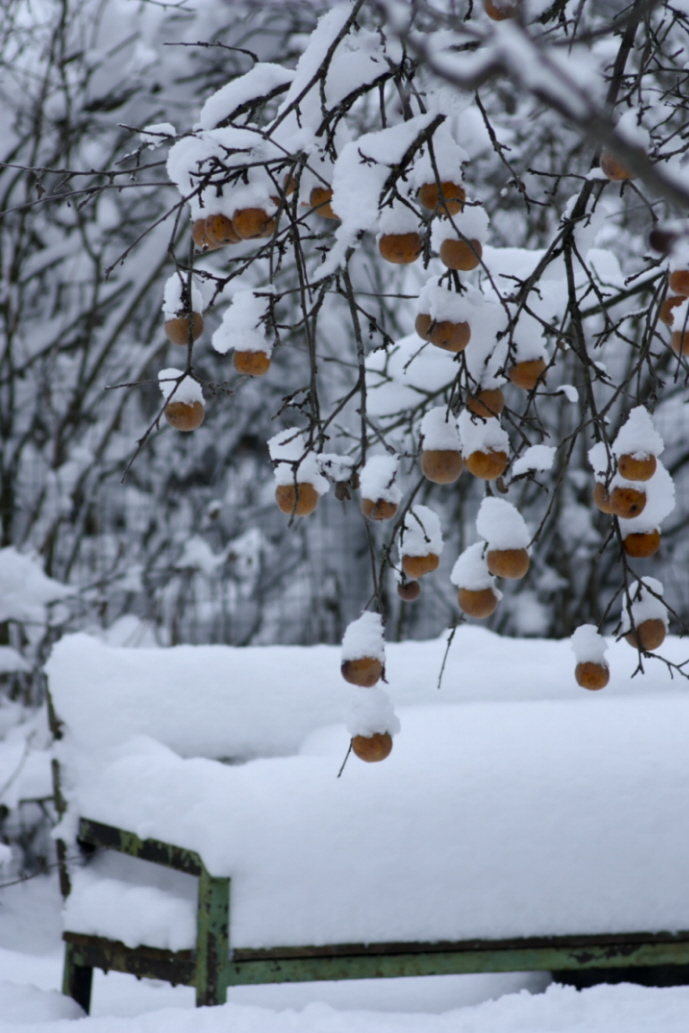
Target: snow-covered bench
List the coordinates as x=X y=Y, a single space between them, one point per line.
x=519 y=823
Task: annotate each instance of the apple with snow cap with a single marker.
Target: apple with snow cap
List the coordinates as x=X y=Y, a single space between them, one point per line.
x=644 y=620
x=399 y=240
x=363 y=651
x=184 y=409
x=441 y=449
x=503 y=527
x=591 y=671
x=371 y=723
x=420 y=542
x=182 y=310
x=477 y=595
x=299 y=481
x=380 y=493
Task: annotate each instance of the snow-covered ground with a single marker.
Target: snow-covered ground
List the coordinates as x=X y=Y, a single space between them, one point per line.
x=30 y=968
x=30 y=971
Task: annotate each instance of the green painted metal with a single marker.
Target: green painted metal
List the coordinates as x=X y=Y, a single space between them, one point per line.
x=77 y=977
x=211 y=968
x=526 y=958
x=112 y=838
x=212 y=940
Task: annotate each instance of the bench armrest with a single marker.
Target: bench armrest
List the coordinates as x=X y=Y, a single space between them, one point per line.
x=212 y=955
x=94 y=833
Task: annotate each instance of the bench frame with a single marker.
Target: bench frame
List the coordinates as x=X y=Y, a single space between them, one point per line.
x=212 y=967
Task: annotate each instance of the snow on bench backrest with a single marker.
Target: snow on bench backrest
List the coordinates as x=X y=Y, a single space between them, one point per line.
x=487 y=820
x=237 y=703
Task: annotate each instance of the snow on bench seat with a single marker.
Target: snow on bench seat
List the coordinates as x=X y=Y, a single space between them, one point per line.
x=489 y=820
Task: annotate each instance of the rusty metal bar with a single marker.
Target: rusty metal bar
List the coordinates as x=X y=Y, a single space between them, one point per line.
x=376 y=961
x=176 y=967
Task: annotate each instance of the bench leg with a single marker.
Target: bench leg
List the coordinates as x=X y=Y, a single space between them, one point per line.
x=212 y=940
x=77 y=980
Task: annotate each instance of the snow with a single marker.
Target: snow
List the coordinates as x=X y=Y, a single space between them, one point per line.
x=588 y=645
x=11 y=660
x=174 y=389
x=258 y=82
x=398 y=218
x=443 y=304
x=527 y=342
x=359 y=176
x=156 y=134
x=364 y=637
x=25 y=590
x=448 y=158
x=502 y=525
x=421 y=533
x=337 y=467
x=377 y=479
x=479 y=435
x=680 y=314
x=242 y=326
x=536 y=457
x=600 y=460
x=518 y=852
x=135 y=901
x=371 y=713
x=630 y=128
x=560 y=1009
x=679 y=258
x=569 y=391
x=439 y=431
x=192 y=159
x=471 y=222
x=173 y=304
x=637 y=436
x=274 y=714
x=294 y=461
x=402 y=376
x=470 y=570
x=24 y=764
x=24 y=1005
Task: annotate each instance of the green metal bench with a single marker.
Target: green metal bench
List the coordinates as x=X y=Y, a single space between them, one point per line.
x=214 y=963
x=213 y=966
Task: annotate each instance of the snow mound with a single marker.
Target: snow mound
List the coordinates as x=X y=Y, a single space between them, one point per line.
x=638 y=437
x=588 y=645
x=421 y=533
x=377 y=479
x=371 y=713
x=502 y=525
x=364 y=637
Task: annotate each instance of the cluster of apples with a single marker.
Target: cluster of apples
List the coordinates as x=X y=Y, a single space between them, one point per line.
x=634 y=486
x=503 y=553
x=183 y=324
x=373 y=723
